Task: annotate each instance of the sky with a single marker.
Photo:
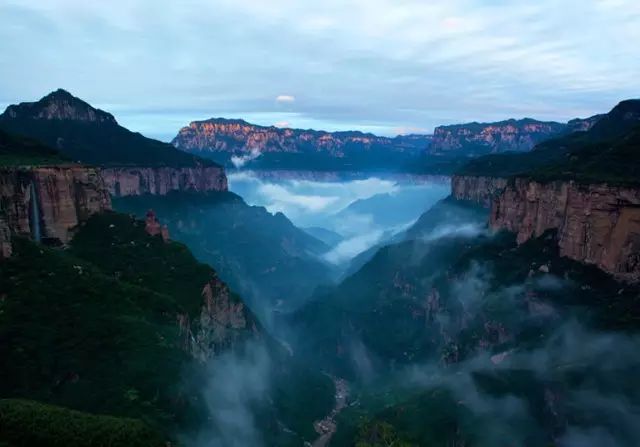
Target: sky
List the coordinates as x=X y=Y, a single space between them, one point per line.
x=385 y=66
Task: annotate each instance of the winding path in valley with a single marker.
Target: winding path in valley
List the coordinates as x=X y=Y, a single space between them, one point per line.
x=326 y=427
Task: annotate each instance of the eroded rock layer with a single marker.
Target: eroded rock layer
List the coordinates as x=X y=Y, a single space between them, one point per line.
x=480 y=190
x=135 y=181
x=596 y=224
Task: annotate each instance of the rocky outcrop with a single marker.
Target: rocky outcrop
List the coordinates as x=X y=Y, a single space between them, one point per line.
x=5 y=239
x=49 y=202
x=487 y=138
x=480 y=190
x=596 y=224
x=583 y=124
x=238 y=136
x=135 y=181
x=153 y=227
x=224 y=322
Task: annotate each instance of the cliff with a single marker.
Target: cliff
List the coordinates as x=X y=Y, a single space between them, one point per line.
x=480 y=190
x=135 y=181
x=595 y=223
x=223 y=135
x=50 y=202
x=487 y=138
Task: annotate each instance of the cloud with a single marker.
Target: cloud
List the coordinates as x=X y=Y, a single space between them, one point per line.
x=280 y=198
x=282 y=124
x=285 y=99
x=402 y=64
x=240 y=160
x=349 y=248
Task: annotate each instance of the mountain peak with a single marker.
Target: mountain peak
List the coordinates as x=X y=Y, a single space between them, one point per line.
x=58 y=105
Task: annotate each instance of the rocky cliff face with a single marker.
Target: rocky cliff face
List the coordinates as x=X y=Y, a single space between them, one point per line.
x=224 y=322
x=480 y=190
x=238 y=136
x=479 y=139
x=130 y=181
x=596 y=224
x=49 y=202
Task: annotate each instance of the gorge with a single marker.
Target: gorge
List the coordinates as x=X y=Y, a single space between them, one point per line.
x=167 y=299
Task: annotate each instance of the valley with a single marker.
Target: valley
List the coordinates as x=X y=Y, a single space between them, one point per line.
x=156 y=297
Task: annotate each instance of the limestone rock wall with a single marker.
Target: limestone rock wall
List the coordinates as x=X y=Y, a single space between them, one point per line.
x=63 y=197
x=480 y=190
x=597 y=224
x=134 y=181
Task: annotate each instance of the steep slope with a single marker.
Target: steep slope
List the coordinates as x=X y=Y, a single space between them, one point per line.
x=126 y=323
x=134 y=164
x=449 y=337
x=261 y=255
x=237 y=141
x=109 y=325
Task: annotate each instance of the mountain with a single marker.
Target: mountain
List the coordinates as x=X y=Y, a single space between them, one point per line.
x=474 y=139
x=88 y=135
x=239 y=142
x=133 y=164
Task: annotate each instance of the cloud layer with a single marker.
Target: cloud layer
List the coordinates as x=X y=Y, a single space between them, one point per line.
x=376 y=65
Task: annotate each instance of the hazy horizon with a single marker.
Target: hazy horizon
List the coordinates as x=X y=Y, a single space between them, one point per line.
x=398 y=68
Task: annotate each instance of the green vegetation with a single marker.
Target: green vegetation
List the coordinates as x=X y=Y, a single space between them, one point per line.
x=26 y=423
x=94 y=327
x=452 y=393
x=18 y=151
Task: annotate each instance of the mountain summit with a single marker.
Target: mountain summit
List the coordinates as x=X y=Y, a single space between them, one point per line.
x=59 y=105
x=89 y=135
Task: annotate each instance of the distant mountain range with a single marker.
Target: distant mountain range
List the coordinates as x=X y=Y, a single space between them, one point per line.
x=473 y=139
x=239 y=142
x=597 y=154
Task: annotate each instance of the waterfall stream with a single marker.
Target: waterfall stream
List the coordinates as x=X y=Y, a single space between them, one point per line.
x=34 y=213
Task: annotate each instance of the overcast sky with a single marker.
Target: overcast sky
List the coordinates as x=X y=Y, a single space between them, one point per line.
x=387 y=66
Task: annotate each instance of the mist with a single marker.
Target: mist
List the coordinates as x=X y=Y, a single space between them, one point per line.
x=360 y=212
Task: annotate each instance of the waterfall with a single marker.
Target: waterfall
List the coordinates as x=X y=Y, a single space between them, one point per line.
x=34 y=213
